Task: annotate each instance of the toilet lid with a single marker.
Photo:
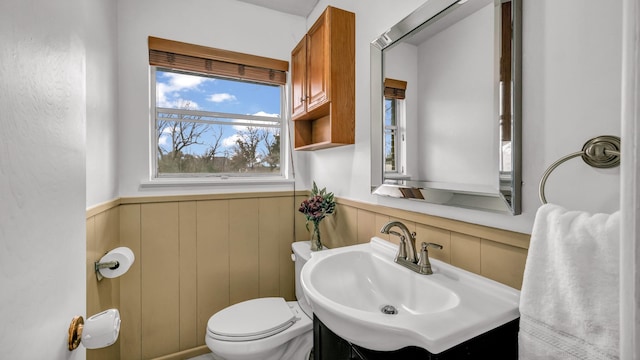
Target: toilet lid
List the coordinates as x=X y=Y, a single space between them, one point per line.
x=251 y=320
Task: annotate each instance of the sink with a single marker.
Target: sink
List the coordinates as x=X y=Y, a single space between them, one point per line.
x=359 y=281
x=367 y=299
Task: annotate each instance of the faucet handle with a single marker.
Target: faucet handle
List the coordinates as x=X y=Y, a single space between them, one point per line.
x=402 y=248
x=423 y=263
x=424 y=254
x=426 y=244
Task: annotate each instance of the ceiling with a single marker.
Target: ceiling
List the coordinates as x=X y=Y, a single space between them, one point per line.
x=295 y=7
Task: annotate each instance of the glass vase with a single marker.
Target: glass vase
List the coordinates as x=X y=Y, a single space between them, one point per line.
x=316 y=242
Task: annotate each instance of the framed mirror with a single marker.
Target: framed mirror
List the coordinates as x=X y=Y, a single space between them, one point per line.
x=446 y=106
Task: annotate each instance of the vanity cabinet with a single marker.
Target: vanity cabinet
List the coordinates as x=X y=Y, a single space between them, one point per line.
x=323 y=82
x=499 y=343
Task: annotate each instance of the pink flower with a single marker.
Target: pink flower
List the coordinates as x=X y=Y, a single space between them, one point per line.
x=319 y=205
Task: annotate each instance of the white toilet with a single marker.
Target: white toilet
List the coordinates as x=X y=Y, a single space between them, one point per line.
x=265 y=328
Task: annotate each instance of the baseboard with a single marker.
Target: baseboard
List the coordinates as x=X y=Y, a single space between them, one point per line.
x=186 y=354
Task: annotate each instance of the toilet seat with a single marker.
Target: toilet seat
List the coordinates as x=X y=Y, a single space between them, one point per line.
x=252 y=320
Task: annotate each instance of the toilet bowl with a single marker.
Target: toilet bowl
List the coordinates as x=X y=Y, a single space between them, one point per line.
x=265 y=328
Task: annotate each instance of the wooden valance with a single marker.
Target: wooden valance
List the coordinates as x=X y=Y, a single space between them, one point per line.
x=394 y=89
x=183 y=56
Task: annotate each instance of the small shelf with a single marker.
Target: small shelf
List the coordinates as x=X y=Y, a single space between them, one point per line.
x=318 y=146
x=309 y=134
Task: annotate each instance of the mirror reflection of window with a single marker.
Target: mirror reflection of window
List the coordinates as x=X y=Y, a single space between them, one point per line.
x=394 y=94
x=390 y=136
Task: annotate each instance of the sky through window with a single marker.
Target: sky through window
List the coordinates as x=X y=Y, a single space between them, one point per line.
x=203 y=99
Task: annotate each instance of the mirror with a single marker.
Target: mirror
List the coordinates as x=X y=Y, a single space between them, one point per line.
x=445 y=106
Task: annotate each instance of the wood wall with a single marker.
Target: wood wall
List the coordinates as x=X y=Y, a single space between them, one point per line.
x=103 y=227
x=196 y=255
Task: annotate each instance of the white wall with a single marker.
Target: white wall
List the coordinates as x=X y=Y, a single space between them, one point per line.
x=571 y=92
x=102 y=107
x=42 y=175
x=224 y=24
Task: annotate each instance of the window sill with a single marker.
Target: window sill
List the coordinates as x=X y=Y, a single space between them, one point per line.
x=213 y=182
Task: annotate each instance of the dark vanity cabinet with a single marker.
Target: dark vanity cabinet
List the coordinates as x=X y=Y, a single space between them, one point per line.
x=499 y=343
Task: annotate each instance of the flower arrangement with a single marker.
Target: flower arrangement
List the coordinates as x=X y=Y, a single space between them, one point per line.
x=317 y=207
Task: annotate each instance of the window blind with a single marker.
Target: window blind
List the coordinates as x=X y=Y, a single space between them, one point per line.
x=183 y=56
x=394 y=89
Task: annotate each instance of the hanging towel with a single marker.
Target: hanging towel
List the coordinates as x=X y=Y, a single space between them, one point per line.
x=569 y=299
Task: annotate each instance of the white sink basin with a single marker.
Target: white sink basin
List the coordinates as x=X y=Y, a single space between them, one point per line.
x=348 y=288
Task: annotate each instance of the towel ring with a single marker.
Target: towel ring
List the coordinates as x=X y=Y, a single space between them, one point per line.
x=600 y=152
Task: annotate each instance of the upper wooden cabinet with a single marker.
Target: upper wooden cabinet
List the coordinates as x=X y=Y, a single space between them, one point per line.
x=299 y=79
x=323 y=82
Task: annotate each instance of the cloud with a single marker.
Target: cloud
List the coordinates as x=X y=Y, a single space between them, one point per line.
x=178 y=103
x=172 y=84
x=230 y=141
x=184 y=81
x=221 y=97
x=262 y=113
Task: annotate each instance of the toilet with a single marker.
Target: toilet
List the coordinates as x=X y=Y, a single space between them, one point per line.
x=265 y=328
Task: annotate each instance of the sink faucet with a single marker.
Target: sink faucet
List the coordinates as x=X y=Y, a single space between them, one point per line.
x=408 y=251
x=406 y=255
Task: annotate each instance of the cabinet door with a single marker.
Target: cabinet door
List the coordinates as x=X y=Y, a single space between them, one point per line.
x=318 y=63
x=298 y=78
x=327 y=345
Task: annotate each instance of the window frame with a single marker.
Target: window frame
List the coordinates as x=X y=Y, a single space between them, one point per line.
x=394 y=91
x=394 y=132
x=285 y=175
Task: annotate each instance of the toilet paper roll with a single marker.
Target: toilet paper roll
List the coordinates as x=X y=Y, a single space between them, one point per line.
x=123 y=255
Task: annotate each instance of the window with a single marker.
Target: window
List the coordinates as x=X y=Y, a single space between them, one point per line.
x=394 y=93
x=391 y=143
x=215 y=113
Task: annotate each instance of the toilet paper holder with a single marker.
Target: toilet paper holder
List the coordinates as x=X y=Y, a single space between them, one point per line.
x=114 y=263
x=105 y=265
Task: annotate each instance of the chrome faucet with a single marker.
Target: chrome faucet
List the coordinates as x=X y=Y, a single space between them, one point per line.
x=406 y=255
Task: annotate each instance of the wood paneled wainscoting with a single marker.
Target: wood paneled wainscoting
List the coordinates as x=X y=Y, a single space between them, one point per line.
x=198 y=254
x=103 y=234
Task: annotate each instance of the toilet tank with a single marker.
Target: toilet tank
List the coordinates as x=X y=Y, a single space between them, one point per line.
x=301 y=254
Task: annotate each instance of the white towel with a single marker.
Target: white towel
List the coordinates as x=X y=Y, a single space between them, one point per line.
x=569 y=299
